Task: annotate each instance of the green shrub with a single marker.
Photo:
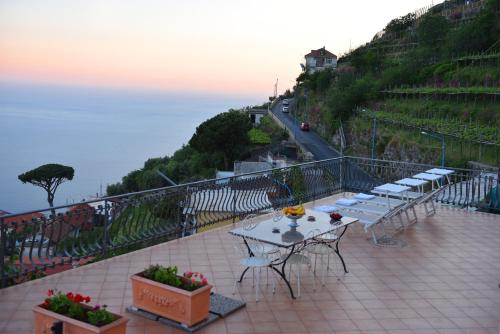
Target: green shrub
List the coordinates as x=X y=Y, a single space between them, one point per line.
x=259 y=137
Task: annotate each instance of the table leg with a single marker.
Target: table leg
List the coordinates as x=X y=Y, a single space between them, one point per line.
x=243 y=274
x=282 y=271
x=337 y=251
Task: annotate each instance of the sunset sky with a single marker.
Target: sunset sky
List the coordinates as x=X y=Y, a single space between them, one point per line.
x=218 y=46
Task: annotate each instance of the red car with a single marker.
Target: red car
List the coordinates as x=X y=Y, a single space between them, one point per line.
x=304 y=126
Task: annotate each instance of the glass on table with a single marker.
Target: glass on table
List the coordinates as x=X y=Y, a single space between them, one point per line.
x=277 y=215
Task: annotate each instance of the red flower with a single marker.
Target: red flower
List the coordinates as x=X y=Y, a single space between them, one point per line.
x=50 y=293
x=87 y=299
x=78 y=298
x=335 y=216
x=188 y=274
x=70 y=296
x=204 y=281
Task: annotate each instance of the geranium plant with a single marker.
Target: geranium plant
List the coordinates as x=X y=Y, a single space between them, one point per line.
x=162 y=291
x=73 y=305
x=189 y=281
x=335 y=216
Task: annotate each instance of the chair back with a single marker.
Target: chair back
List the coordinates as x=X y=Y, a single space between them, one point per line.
x=329 y=237
x=313 y=233
x=248 y=223
x=277 y=215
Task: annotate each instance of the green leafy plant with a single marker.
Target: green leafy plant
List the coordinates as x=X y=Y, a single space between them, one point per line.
x=259 y=137
x=189 y=281
x=99 y=316
x=164 y=275
x=72 y=305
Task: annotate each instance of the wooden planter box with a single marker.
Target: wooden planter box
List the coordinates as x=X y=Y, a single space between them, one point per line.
x=186 y=307
x=44 y=319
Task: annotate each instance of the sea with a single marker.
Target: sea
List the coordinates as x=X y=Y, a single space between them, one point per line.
x=102 y=133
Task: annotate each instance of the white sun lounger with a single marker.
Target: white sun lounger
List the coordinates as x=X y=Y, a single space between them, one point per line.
x=378 y=200
x=390 y=190
x=368 y=221
x=364 y=208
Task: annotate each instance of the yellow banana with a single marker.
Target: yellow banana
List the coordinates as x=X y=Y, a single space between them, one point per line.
x=294 y=210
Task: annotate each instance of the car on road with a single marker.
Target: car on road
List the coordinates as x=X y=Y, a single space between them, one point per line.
x=304 y=126
x=285 y=102
x=284 y=109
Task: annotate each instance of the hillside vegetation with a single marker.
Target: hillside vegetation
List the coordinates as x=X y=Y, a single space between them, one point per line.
x=437 y=71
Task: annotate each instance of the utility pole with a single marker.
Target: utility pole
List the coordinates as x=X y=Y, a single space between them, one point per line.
x=306 y=118
x=276 y=88
x=374 y=133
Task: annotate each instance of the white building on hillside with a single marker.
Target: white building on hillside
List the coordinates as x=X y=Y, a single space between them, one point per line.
x=320 y=59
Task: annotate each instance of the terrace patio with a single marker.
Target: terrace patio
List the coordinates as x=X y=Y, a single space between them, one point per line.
x=445 y=280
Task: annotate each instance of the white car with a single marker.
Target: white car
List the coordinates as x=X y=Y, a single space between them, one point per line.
x=285 y=109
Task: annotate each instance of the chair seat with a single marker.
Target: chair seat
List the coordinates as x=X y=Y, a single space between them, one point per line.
x=328 y=237
x=319 y=249
x=297 y=259
x=264 y=249
x=254 y=261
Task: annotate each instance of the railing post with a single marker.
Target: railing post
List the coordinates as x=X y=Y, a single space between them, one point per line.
x=3 y=245
x=342 y=185
x=106 y=236
x=234 y=202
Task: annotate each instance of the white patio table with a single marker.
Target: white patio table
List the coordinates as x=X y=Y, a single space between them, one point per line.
x=441 y=171
x=429 y=177
x=419 y=184
x=390 y=189
x=293 y=240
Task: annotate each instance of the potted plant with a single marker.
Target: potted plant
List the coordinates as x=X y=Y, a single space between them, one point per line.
x=160 y=290
x=76 y=316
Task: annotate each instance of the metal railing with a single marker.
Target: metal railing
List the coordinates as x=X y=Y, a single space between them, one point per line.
x=467 y=188
x=45 y=240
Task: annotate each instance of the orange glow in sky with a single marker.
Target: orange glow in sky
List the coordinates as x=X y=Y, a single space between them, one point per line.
x=220 y=46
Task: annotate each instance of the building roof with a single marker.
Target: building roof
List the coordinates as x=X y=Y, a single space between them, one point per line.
x=244 y=167
x=20 y=218
x=320 y=53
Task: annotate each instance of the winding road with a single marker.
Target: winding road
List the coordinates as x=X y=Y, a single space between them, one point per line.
x=310 y=140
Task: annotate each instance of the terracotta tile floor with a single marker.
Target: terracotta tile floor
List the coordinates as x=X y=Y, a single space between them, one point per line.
x=445 y=280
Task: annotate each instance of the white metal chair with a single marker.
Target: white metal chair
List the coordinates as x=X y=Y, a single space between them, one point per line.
x=255 y=255
x=297 y=260
x=257 y=261
x=267 y=250
x=320 y=248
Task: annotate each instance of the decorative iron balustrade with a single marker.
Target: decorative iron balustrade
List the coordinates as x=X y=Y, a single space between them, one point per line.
x=41 y=241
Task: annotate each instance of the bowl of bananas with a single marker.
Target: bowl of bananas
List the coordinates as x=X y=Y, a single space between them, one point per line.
x=293 y=213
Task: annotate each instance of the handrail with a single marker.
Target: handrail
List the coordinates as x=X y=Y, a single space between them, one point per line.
x=130 y=221
x=149 y=191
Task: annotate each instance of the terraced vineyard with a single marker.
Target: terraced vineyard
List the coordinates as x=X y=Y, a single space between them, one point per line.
x=474 y=132
x=478 y=90
x=436 y=70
